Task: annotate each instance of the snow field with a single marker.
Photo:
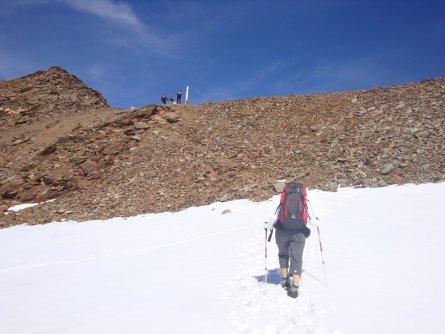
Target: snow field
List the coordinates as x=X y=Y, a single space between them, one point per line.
x=202 y=271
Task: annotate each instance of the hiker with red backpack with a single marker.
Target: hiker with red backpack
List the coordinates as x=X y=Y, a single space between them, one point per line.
x=291 y=232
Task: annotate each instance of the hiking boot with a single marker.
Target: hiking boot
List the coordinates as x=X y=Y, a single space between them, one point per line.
x=293 y=291
x=285 y=283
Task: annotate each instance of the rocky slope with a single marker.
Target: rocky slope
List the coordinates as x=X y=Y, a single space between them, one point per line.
x=60 y=140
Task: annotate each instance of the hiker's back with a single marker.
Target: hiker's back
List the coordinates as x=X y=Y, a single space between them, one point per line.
x=293 y=207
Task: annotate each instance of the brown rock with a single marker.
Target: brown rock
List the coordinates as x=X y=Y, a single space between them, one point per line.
x=387 y=169
x=47 y=195
x=19 y=141
x=279 y=186
x=11 y=188
x=3 y=208
x=141 y=125
x=84 y=184
x=113 y=149
x=32 y=194
x=90 y=169
x=49 y=150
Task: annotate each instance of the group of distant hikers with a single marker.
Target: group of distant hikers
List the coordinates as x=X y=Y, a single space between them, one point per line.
x=171 y=99
x=290 y=222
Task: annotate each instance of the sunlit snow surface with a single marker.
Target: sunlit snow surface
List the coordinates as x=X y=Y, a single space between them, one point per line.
x=201 y=271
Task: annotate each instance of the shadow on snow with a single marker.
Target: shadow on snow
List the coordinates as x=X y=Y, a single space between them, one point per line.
x=273 y=277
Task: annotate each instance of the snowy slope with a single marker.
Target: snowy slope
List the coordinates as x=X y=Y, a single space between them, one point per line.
x=201 y=271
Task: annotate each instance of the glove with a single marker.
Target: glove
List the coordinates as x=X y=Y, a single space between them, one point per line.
x=270 y=222
x=306 y=231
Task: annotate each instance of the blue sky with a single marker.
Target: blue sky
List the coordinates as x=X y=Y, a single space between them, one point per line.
x=133 y=51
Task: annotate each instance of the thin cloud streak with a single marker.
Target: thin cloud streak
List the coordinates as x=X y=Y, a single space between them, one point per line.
x=136 y=36
x=120 y=13
x=123 y=14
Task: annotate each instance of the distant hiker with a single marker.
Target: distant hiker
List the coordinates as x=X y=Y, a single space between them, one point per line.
x=178 y=97
x=164 y=99
x=291 y=232
x=171 y=100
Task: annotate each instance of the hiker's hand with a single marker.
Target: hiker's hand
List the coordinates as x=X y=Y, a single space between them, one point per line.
x=270 y=222
x=310 y=222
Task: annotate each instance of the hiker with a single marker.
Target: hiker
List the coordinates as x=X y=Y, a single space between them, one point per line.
x=291 y=232
x=178 y=97
x=164 y=98
x=171 y=100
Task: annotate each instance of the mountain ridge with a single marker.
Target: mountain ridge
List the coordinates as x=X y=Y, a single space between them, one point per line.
x=98 y=162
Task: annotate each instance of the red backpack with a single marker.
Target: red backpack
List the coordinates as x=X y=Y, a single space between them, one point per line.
x=293 y=207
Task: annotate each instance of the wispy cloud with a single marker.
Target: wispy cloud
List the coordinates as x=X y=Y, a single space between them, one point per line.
x=123 y=14
x=134 y=34
x=120 y=12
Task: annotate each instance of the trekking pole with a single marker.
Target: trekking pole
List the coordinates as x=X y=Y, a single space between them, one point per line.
x=321 y=252
x=265 y=255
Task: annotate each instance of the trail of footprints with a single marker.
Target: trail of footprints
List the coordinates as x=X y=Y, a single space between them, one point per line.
x=256 y=307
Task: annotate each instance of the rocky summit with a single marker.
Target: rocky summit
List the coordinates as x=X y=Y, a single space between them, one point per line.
x=64 y=147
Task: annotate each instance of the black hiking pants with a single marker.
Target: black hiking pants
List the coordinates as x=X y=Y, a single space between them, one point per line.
x=290 y=247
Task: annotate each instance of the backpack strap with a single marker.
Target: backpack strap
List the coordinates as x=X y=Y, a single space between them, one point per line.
x=283 y=196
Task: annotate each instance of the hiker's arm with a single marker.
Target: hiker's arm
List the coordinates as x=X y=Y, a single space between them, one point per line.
x=309 y=221
x=271 y=221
